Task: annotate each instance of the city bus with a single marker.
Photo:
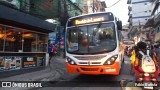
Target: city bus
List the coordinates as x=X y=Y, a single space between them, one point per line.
x=93 y=44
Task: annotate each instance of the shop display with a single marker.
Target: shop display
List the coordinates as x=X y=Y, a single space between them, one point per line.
x=2 y=61
x=29 y=62
x=16 y=63
x=40 y=61
x=8 y=62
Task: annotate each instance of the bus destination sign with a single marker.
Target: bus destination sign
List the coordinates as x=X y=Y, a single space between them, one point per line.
x=89 y=20
x=92 y=18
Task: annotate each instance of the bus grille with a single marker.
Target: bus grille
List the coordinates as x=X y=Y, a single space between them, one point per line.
x=91 y=63
x=89 y=69
x=89 y=57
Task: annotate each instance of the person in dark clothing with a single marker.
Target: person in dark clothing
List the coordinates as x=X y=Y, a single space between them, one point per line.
x=50 y=50
x=157 y=53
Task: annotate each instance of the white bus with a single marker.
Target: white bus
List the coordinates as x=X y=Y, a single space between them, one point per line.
x=93 y=44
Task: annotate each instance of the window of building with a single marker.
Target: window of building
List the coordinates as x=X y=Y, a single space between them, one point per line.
x=29 y=41
x=145 y=11
x=14 y=39
x=2 y=37
x=146 y=19
x=42 y=42
x=145 y=3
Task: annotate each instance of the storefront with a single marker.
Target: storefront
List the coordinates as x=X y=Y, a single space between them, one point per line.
x=23 y=40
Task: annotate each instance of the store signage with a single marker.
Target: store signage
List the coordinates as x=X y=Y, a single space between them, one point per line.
x=29 y=58
x=89 y=20
x=29 y=62
x=40 y=61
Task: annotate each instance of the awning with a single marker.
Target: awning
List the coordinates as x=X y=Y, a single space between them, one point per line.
x=12 y=17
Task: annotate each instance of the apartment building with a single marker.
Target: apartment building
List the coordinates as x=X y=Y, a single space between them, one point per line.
x=92 y=6
x=154 y=21
x=139 y=12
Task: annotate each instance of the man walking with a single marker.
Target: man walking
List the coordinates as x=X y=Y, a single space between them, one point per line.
x=50 y=50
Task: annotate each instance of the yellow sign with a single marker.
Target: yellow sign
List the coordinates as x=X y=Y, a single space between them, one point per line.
x=89 y=20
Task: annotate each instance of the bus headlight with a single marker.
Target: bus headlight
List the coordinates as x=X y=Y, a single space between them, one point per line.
x=70 y=61
x=111 y=60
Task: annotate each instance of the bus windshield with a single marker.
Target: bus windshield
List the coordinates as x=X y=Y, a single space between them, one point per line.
x=90 y=39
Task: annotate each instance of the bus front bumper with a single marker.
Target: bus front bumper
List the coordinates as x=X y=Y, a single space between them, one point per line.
x=101 y=69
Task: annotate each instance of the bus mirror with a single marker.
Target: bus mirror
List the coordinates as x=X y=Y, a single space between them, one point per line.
x=119 y=25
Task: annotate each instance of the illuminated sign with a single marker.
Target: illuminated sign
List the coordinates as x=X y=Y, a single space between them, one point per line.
x=89 y=20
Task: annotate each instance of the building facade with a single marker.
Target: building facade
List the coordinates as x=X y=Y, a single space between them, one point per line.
x=139 y=12
x=92 y=6
x=154 y=22
x=23 y=40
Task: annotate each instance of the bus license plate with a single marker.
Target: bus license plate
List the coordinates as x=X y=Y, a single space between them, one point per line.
x=110 y=69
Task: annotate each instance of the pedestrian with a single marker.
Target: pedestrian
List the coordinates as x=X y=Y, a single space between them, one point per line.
x=54 y=49
x=157 y=54
x=50 y=50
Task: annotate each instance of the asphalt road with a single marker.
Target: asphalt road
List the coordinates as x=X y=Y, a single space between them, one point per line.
x=87 y=82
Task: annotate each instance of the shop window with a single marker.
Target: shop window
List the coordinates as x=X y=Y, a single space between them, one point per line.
x=19 y=40
x=42 y=43
x=2 y=37
x=29 y=41
x=13 y=40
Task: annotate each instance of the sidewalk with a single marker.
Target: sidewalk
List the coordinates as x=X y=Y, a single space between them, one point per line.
x=47 y=74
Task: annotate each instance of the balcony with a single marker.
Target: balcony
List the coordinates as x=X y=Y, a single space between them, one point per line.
x=155 y=6
x=149 y=23
x=128 y=1
x=129 y=12
x=130 y=16
x=129 y=20
x=157 y=18
x=129 y=8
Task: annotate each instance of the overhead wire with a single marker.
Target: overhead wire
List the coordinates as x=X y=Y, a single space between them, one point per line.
x=114 y=4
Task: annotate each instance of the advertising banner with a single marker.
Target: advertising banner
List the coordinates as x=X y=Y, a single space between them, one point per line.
x=52 y=37
x=8 y=62
x=29 y=62
x=2 y=63
x=40 y=61
x=16 y=63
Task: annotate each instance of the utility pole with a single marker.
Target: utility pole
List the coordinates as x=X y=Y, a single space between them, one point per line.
x=139 y=26
x=140 y=30
x=93 y=7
